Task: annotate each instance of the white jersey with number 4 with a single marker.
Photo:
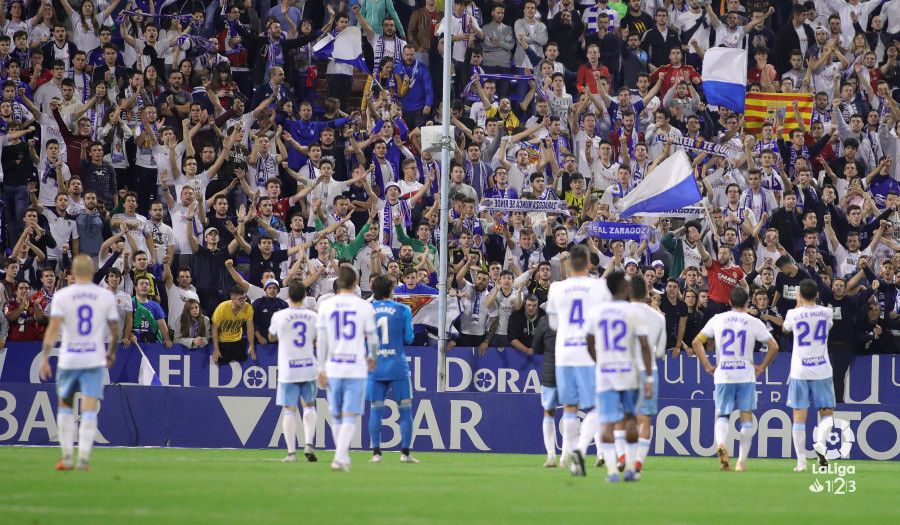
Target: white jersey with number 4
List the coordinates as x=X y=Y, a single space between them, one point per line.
x=295 y=329
x=655 y=323
x=346 y=321
x=810 y=324
x=616 y=326
x=85 y=310
x=568 y=304
x=735 y=334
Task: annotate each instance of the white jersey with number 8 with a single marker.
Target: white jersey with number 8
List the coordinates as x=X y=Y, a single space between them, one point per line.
x=295 y=329
x=85 y=310
x=346 y=321
x=809 y=358
x=568 y=305
x=735 y=334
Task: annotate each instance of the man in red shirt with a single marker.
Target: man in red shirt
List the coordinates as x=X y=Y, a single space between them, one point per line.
x=41 y=298
x=673 y=73
x=723 y=275
x=588 y=73
x=23 y=316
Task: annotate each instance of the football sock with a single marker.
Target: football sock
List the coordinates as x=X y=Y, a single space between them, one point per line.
x=348 y=428
x=589 y=426
x=86 y=433
x=549 y=427
x=309 y=425
x=375 y=424
x=643 y=448
x=825 y=421
x=406 y=424
x=336 y=435
x=609 y=456
x=798 y=431
x=746 y=439
x=65 y=419
x=569 y=429
x=630 y=455
x=619 y=436
x=721 y=431
x=289 y=427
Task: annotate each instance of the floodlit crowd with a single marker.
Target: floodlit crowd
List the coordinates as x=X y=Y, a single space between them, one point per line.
x=206 y=154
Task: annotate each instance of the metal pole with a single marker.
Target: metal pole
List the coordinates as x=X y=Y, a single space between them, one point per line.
x=446 y=145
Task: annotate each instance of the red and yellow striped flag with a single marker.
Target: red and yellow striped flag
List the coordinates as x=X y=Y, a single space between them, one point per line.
x=761 y=107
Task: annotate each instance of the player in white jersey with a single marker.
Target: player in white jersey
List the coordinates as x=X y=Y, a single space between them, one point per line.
x=89 y=319
x=811 y=376
x=348 y=346
x=647 y=406
x=617 y=340
x=736 y=333
x=295 y=330
x=568 y=303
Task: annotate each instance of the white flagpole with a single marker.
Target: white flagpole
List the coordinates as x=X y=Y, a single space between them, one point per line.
x=443 y=253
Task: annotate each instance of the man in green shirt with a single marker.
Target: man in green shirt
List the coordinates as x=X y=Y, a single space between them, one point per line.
x=346 y=251
x=423 y=234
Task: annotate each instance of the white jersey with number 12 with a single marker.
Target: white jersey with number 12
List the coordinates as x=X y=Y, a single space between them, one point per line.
x=85 y=310
x=347 y=321
x=568 y=304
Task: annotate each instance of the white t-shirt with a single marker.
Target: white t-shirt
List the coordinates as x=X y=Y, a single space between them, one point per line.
x=810 y=324
x=177 y=298
x=568 y=304
x=295 y=329
x=655 y=322
x=178 y=214
x=346 y=321
x=136 y=226
x=163 y=236
x=85 y=310
x=616 y=326
x=736 y=334
x=49 y=188
x=63 y=230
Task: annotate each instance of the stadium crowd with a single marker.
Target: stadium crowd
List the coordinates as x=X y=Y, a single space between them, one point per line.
x=188 y=148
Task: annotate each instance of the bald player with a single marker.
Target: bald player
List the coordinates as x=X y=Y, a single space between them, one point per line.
x=88 y=319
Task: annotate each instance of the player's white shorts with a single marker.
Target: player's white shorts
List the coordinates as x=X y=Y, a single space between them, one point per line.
x=346 y=395
x=288 y=394
x=818 y=391
x=549 y=397
x=613 y=405
x=648 y=406
x=575 y=385
x=735 y=396
x=88 y=381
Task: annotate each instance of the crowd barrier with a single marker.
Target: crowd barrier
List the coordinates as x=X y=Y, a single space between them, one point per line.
x=491 y=404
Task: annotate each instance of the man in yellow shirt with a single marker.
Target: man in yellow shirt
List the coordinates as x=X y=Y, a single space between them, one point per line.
x=229 y=343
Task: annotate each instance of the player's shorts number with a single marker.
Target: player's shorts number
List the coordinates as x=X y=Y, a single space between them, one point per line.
x=300 y=327
x=613 y=333
x=729 y=337
x=576 y=316
x=344 y=324
x=819 y=333
x=85 y=314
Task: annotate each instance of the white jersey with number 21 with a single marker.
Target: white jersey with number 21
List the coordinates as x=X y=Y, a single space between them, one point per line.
x=346 y=321
x=85 y=310
x=735 y=334
x=810 y=325
x=568 y=304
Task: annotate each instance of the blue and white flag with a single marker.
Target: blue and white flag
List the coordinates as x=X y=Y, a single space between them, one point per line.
x=346 y=48
x=147 y=375
x=668 y=187
x=725 y=77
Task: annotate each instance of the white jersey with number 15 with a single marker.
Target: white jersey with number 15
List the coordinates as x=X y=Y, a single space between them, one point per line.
x=85 y=310
x=347 y=321
x=568 y=304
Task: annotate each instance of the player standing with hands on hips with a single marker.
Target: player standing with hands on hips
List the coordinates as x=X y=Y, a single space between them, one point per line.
x=347 y=351
x=89 y=319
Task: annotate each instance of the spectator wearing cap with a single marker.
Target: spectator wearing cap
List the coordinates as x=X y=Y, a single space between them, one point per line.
x=264 y=308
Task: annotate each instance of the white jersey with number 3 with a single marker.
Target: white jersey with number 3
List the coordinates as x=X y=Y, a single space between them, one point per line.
x=85 y=310
x=735 y=334
x=616 y=326
x=568 y=304
x=346 y=321
x=810 y=324
x=295 y=329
